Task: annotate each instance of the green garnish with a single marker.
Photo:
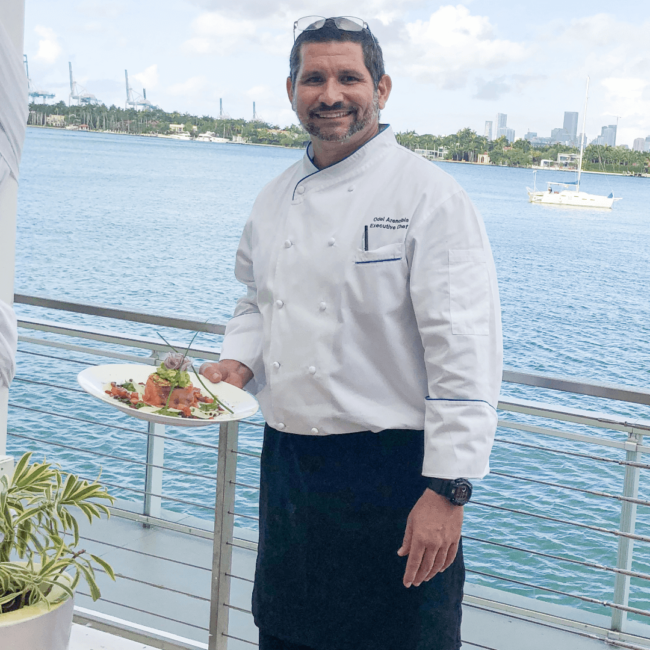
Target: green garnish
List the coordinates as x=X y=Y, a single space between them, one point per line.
x=129 y=386
x=166 y=411
x=176 y=377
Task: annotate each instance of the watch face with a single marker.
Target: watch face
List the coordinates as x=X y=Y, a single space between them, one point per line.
x=462 y=492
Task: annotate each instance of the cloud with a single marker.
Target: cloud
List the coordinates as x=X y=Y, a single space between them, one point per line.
x=452 y=44
x=193 y=87
x=149 y=77
x=99 y=8
x=48 y=45
x=492 y=89
x=215 y=33
x=284 y=13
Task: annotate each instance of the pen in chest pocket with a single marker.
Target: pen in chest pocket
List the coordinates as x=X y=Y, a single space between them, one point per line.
x=365 y=238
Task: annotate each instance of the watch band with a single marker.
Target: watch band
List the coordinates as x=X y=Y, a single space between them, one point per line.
x=458 y=491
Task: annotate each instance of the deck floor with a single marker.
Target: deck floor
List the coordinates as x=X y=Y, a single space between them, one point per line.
x=154 y=557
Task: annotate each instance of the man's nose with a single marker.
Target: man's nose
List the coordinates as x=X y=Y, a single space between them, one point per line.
x=331 y=92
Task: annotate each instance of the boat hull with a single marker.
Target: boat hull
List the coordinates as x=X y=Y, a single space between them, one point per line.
x=571 y=198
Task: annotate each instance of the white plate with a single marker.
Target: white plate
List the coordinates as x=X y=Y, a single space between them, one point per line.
x=94 y=379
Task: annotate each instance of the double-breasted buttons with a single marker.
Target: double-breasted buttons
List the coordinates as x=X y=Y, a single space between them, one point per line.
x=322 y=306
x=331 y=241
x=279 y=304
x=280 y=426
x=288 y=243
x=314 y=431
x=312 y=370
x=276 y=365
x=301 y=190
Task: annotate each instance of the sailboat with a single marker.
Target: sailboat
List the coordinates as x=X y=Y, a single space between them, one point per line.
x=569 y=193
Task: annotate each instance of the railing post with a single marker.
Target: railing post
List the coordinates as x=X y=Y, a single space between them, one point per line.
x=153 y=478
x=224 y=522
x=627 y=525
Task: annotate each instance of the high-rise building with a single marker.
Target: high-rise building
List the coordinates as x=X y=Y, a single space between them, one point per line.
x=502 y=121
x=488 y=130
x=561 y=135
x=639 y=144
x=607 y=136
x=530 y=135
x=647 y=143
x=571 y=125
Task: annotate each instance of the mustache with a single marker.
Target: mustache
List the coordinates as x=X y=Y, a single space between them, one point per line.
x=333 y=108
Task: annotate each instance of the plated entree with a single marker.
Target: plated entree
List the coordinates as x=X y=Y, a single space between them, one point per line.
x=169 y=391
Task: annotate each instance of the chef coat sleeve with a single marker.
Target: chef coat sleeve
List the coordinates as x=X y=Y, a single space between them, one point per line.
x=455 y=296
x=244 y=332
x=8 y=342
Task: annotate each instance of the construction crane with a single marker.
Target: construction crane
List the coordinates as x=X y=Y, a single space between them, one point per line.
x=43 y=94
x=135 y=99
x=78 y=94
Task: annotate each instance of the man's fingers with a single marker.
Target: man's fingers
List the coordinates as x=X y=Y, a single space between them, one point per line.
x=443 y=561
x=211 y=372
x=415 y=559
x=405 y=549
x=451 y=556
x=426 y=566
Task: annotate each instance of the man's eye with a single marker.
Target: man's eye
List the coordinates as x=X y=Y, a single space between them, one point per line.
x=312 y=80
x=349 y=79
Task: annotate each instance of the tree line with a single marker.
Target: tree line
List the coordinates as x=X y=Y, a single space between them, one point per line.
x=465 y=145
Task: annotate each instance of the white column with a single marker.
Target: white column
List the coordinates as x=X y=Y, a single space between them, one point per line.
x=12 y=17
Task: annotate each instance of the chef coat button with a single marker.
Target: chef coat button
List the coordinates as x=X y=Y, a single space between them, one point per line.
x=288 y=243
x=350 y=189
x=301 y=190
x=276 y=364
x=323 y=306
x=279 y=304
x=312 y=370
x=314 y=431
x=280 y=426
x=331 y=242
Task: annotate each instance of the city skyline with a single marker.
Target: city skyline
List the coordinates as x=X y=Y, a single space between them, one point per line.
x=466 y=62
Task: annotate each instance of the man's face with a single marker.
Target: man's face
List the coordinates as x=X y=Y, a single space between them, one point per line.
x=334 y=96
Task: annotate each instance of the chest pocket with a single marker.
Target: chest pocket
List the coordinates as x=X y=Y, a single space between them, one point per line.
x=390 y=253
x=376 y=281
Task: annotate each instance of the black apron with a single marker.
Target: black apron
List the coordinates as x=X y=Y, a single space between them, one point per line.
x=333 y=512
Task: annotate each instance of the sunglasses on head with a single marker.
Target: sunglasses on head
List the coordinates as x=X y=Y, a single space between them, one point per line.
x=344 y=23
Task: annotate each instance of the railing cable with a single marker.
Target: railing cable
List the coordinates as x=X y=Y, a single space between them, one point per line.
x=598 y=529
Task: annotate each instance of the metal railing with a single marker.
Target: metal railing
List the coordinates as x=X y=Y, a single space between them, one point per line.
x=571 y=425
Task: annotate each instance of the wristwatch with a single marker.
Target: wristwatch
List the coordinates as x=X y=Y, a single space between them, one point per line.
x=458 y=490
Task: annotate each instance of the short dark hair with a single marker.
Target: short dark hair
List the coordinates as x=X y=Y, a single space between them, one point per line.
x=372 y=55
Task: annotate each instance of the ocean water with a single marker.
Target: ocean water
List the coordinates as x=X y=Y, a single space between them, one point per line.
x=153 y=224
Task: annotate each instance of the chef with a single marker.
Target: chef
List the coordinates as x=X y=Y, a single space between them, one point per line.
x=370 y=333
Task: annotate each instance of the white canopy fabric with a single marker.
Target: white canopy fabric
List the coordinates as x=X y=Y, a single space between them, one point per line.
x=8 y=342
x=14 y=108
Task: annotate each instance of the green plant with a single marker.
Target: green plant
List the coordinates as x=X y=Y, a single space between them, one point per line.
x=39 y=534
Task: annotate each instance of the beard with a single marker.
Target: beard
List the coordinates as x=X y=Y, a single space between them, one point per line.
x=359 y=123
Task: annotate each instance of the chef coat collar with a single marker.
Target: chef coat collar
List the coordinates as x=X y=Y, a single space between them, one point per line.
x=381 y=140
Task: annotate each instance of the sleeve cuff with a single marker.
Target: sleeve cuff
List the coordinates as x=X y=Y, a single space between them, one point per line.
x=243 y=342
x=458 y=436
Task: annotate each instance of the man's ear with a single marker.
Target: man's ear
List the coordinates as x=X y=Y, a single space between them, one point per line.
x=383 y=90
x=290 y=90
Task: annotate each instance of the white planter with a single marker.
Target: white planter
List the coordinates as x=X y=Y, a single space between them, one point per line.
x=39 y=627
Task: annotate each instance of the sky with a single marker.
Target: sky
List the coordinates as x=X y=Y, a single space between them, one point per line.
x=453 y=65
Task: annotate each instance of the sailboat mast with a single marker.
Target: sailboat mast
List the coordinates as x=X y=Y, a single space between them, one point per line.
x=583 y=134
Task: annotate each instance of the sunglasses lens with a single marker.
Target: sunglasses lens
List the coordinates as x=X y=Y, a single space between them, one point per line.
x=309 y=23
x=349 y=24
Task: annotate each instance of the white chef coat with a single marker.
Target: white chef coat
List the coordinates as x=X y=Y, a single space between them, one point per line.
x=403 y=335
x=8 y=341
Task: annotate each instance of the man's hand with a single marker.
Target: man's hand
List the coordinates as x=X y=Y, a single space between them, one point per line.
x=431 y=538
x=228 y=370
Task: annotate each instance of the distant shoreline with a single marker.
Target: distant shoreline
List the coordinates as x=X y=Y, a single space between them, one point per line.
x=279 y=146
